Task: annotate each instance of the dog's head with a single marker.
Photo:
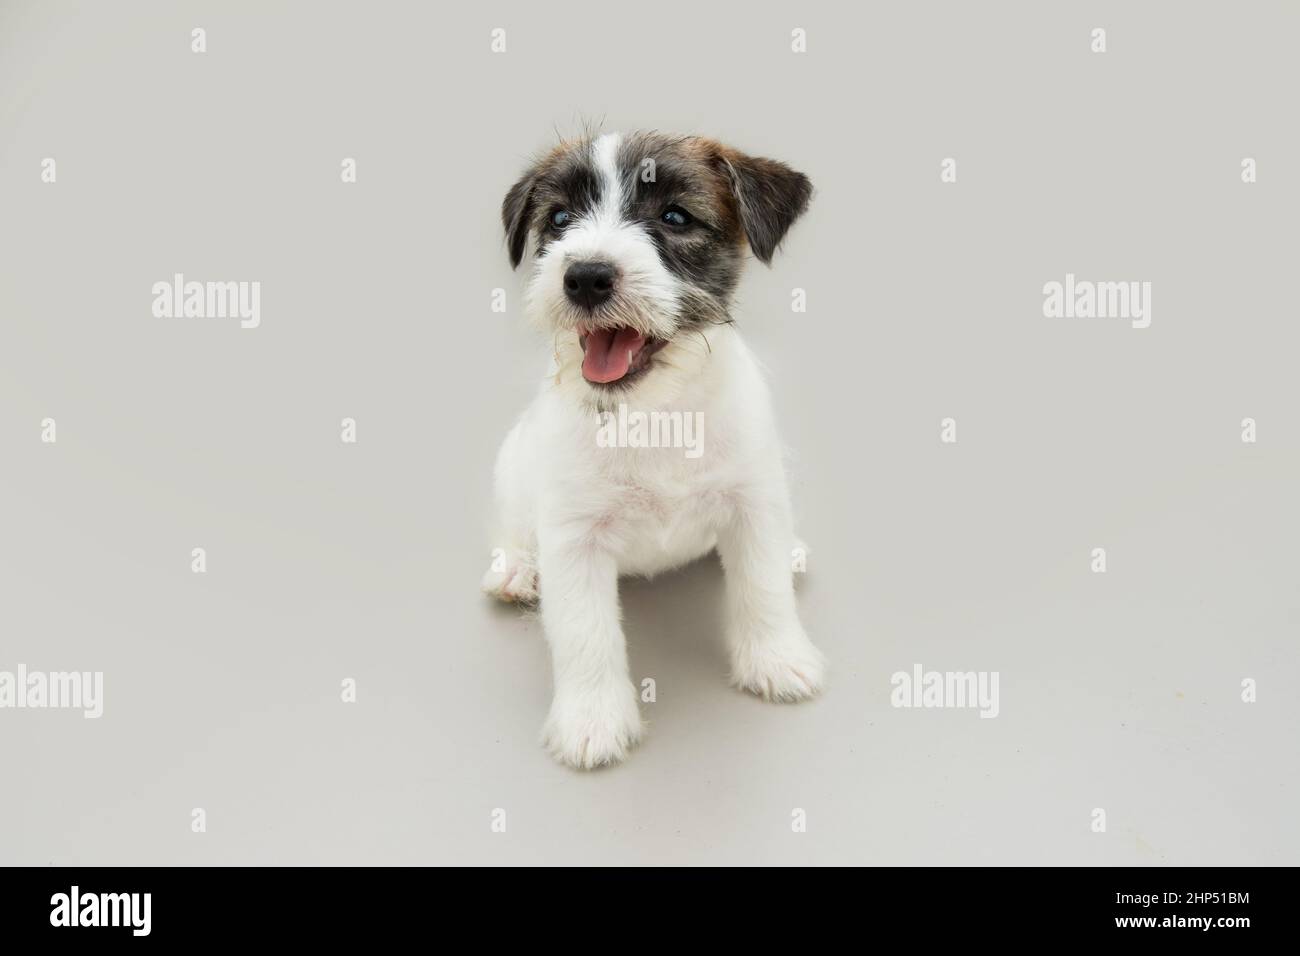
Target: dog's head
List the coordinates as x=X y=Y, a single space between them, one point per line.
x=637 y=242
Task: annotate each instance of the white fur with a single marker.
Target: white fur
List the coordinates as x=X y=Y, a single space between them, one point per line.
x=574 y=516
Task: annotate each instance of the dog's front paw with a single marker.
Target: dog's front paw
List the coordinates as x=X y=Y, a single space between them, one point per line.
x=782 y=669
x=588 y=728
x=512 y=577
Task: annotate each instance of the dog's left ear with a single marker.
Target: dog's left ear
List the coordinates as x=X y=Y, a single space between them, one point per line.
x=516 y=212
x=770 y=196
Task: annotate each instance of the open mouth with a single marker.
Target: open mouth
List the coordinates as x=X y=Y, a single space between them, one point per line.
x=615 y=356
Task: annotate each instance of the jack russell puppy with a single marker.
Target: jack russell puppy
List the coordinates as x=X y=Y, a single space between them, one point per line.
x=635 y=243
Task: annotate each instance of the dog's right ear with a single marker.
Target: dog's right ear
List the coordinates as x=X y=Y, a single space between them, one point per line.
x=516 y=213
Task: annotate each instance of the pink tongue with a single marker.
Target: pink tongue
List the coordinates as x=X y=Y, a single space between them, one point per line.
x=609 y=353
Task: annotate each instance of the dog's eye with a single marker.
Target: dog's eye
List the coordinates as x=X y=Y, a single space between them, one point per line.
x=676 y=216
x=559 y=219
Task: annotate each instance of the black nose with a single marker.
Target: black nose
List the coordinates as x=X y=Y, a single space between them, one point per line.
x=588 y=284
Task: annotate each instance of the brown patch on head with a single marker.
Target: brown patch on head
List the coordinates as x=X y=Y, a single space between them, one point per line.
x=686 y=172
x=529 y=198
x=673 y=188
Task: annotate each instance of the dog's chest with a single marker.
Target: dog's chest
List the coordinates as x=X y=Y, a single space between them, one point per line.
x=665 y=517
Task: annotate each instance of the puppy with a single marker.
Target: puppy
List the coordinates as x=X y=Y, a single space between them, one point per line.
x=635 y=244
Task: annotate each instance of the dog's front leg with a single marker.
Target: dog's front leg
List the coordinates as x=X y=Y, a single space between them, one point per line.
x=594 y=718
x=770 y=654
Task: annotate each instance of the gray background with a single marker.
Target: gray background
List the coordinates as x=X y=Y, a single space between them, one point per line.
x=328 y=561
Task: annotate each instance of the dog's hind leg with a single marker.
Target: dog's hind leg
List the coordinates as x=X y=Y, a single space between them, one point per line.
x=512 y=575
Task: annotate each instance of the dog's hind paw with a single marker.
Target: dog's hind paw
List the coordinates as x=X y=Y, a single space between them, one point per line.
x=799 y=559
x=512 y=577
